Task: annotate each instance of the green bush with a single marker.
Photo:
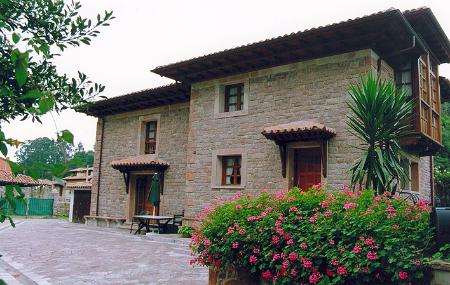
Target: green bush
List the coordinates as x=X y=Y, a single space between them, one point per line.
x=443 y=253
x=185 y=231
x=317 y=237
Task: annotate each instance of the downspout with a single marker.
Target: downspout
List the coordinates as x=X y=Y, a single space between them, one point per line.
x=100 y=165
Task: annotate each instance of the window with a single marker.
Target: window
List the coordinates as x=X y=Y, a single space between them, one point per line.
x=404 y=78
x=412 y=169
x=231 y=170
x=234 y=97
x=150 y=137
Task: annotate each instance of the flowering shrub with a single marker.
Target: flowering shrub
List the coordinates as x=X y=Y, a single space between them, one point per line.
x=316 y=237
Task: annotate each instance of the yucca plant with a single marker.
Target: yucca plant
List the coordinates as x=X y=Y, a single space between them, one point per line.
x=380 y=116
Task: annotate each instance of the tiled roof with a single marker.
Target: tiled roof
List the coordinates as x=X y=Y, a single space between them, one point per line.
x=298 y=129
x=80 y=169
x=77 y=177
x=79 y=185
x=144 y=160
x=7 y=178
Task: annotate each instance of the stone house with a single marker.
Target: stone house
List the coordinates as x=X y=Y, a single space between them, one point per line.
x=268 y=115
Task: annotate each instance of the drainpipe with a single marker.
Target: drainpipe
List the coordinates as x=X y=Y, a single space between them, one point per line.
x=100 y=164
x=432 y=181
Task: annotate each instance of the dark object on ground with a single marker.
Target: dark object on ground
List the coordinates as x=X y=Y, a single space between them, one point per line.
x=440 y=218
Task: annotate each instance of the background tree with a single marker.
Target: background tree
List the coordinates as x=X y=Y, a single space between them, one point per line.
x=32 y=34
x=81 y=158
x=442 y=159
x=380 y=117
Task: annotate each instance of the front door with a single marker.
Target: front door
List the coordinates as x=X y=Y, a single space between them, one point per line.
x=81 y=205
x=307 y=167
x=143 y=206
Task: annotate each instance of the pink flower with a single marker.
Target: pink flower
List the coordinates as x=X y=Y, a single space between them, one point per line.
x=252 y=259
x=275 y=239
x=369 y=241
x=249 y=206
x=307 y=263
x=266 y=274
x=391 y=215
x=378 y=198
x=350 y=205
x=286 y=264
x=256 y=251
x=344 y=187
x=332 y=241
x=268 y=209
x=372 y=255
x=403 y=275
x=276 y=256
x=335 y=262
x=417 y=262
x=342 y=270
x=312 y=219
x=258 y=206
x=316 y=186
x=357 y=249
x=390 y=209
x=279 y=231
x=207 y=242
x=230 y=230
x=235 y=245
x=328 y=213
x=291 y=199
x=290 y=241
x=238 y=207
x=324 y=204
x=314 y=278
x=395 y=227
x=277 y=223
x=293 y=256
x=303 y=245
x=263 y=214
x=293 y=209
x=368 y=211
x=362 y=238
x=241 y=231
x=287 y=236
x=293 y=273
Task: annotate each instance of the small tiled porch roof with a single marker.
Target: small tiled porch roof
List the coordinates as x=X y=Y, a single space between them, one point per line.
x=298 y=131
x=79 y=185
x=143 y=161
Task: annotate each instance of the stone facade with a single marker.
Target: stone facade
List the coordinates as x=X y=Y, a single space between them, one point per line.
x=191 y=136
x=120 y=139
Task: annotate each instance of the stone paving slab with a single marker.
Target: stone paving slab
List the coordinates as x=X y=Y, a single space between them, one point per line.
x=58 y=252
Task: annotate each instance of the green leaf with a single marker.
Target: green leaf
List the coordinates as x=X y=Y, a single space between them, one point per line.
x=67 y=136
x=21 y=67
x=33 y=94
x=15 y=38
x=46 y=103
x=3 y=148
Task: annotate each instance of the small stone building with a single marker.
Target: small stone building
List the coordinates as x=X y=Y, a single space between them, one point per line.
x=268 y=115
x=77 y=191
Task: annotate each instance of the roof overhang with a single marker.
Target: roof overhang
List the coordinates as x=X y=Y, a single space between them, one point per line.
x=388 y=33
x=148 y=98
x=140 y=162
x=298 y=131
x=79 y=185
x=445 y=89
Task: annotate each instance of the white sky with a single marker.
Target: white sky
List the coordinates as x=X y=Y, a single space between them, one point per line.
x=146 y=34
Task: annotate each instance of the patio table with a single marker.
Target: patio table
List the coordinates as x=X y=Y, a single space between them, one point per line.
x=144 y=222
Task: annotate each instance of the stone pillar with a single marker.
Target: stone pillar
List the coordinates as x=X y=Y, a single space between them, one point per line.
x=97 y=167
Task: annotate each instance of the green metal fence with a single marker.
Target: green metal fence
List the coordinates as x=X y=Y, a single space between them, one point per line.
x=33 y=207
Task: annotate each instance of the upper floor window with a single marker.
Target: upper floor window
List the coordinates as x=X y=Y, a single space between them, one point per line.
x=404 y=78
x=234 y=97
x=231 y=170
x=150 y=137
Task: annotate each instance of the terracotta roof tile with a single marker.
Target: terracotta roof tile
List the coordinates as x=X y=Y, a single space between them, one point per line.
x=79 y=185
x=298 y=126
x=139 y=161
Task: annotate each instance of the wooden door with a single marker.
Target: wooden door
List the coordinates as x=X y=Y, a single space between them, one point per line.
x=81 y=205
x=307 y=167
x=143 y=206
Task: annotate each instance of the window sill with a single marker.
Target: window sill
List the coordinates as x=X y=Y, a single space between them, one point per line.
x=230 y=114
x=220 y=187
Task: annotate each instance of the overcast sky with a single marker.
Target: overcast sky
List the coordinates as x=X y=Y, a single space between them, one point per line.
x=146 y=34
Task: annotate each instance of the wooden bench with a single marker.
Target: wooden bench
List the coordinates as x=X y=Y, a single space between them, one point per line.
x=102 y=220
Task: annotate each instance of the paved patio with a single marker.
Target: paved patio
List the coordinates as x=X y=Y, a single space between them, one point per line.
x=48 y=251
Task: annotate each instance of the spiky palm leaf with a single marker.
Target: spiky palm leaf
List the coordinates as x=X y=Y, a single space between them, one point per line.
x=380 y=116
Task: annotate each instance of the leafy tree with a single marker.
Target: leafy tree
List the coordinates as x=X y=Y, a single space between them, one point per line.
x=380 y=117
x=443 y=157
x=81 y=158
x=36 y=155
x=32 y=34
